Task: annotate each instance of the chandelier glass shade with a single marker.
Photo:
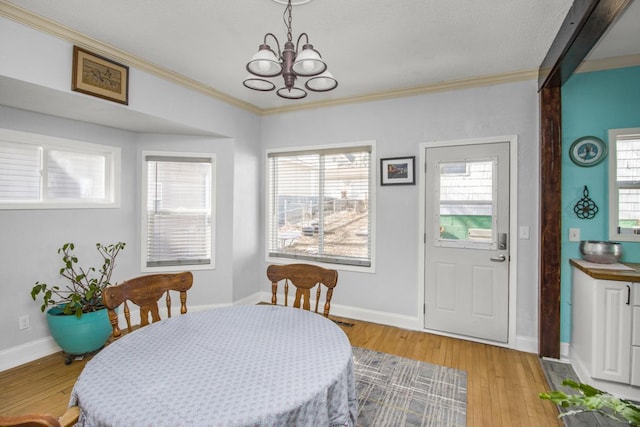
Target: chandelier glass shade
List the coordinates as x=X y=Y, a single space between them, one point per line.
x=291 y=63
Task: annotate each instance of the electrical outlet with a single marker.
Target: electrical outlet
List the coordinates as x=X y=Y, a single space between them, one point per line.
x=23 y=322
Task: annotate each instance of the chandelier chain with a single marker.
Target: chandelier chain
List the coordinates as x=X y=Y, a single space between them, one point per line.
x=288 y=21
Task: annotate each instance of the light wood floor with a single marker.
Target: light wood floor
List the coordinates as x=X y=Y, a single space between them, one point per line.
x=502 y=384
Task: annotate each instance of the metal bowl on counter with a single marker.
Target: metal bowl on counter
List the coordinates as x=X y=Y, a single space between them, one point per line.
x=601 y=252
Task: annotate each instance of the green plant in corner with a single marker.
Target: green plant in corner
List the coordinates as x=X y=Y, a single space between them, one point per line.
x=591 y=399
x=84 y=292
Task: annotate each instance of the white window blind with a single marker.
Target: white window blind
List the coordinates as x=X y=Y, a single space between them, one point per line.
x=178 y=211
x=20 y=166
x=628 y=184
x=71 y=175
x=319 y=205
x=37 y=171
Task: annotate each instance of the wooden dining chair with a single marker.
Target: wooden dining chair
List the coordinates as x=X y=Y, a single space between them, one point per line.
x=304 y=277
x=69 y=418
x=145 y=292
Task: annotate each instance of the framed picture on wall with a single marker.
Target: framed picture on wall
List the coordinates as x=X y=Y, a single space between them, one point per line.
x=99 y=76
x=398 y=171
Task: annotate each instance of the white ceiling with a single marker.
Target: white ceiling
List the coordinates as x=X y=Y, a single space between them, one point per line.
x=371 y=46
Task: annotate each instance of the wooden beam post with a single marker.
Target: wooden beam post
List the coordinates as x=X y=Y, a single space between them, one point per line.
x=586 y=22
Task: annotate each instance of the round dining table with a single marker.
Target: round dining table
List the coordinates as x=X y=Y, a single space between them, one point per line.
x=261 y=365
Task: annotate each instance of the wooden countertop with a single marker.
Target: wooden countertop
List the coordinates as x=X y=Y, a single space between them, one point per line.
x=607 y=272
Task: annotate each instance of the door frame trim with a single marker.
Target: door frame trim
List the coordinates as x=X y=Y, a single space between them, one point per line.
x=513 y=229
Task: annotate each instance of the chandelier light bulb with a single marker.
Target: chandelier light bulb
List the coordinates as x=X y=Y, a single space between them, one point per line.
x=264 y=63
x=263 y=66
x=308 y=62
x=307 y=66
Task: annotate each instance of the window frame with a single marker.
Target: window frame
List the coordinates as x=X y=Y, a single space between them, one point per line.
x=143 y=212
x=614 y=134
x=112 y=178
x=373 y=171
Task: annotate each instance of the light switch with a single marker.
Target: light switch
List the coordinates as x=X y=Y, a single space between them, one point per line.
x=524 y=232
x=574 y=234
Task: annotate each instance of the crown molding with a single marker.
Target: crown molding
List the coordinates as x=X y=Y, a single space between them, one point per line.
x=40 y=23
x=609 y=63
x=417 y=90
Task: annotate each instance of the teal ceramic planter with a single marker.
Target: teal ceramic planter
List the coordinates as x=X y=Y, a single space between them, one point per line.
x=82 y=335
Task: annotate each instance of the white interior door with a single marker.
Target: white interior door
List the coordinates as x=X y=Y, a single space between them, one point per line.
x=467 y=241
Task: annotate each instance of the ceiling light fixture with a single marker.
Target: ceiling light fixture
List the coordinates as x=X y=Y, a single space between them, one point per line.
x=290 y=64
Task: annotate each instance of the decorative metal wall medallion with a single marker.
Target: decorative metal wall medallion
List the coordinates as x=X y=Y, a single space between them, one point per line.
x=585 y=208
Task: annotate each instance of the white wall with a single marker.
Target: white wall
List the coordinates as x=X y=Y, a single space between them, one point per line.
x=399 y=126
x=30 y=238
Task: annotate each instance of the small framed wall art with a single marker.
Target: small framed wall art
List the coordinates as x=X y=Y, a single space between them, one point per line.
x=397 y=171
x=99 y=76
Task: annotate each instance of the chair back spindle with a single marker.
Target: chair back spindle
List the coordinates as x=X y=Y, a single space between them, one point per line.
x=145 y=292
x=304 y=277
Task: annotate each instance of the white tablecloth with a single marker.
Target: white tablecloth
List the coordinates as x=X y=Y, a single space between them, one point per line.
x=236 y=366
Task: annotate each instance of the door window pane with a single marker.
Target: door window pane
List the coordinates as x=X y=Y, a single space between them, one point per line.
x=466 y=201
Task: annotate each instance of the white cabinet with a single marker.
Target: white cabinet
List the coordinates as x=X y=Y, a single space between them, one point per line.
x=612 y=330
x=605 y=336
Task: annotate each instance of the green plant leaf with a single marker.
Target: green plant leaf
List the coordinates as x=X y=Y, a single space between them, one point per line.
x=37 y=289
x=593 y=400
x=83 y=293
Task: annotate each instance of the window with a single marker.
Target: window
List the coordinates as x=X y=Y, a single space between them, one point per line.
x=178 y=205
x=320 y=204
x=467 y=202
x=624 y=184
x=38 y=172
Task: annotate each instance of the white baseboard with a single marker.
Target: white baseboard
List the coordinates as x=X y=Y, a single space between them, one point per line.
x=254 y=299
x=397 y=320
x=33 y=350
x=16 y=356
x=527 y=344
x=564 y=352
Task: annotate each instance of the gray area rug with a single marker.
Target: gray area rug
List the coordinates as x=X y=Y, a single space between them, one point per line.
x=395 y=391
x=555 y=373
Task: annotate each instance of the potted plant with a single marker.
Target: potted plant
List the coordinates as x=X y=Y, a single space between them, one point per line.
x=77 y=318
x=590 y=399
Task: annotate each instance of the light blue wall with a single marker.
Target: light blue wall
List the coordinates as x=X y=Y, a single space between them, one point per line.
x=592 y=103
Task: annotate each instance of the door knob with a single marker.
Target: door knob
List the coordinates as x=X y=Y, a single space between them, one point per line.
x=500 y=258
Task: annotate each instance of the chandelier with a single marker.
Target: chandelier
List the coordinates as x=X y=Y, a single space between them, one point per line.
x=289 y=63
